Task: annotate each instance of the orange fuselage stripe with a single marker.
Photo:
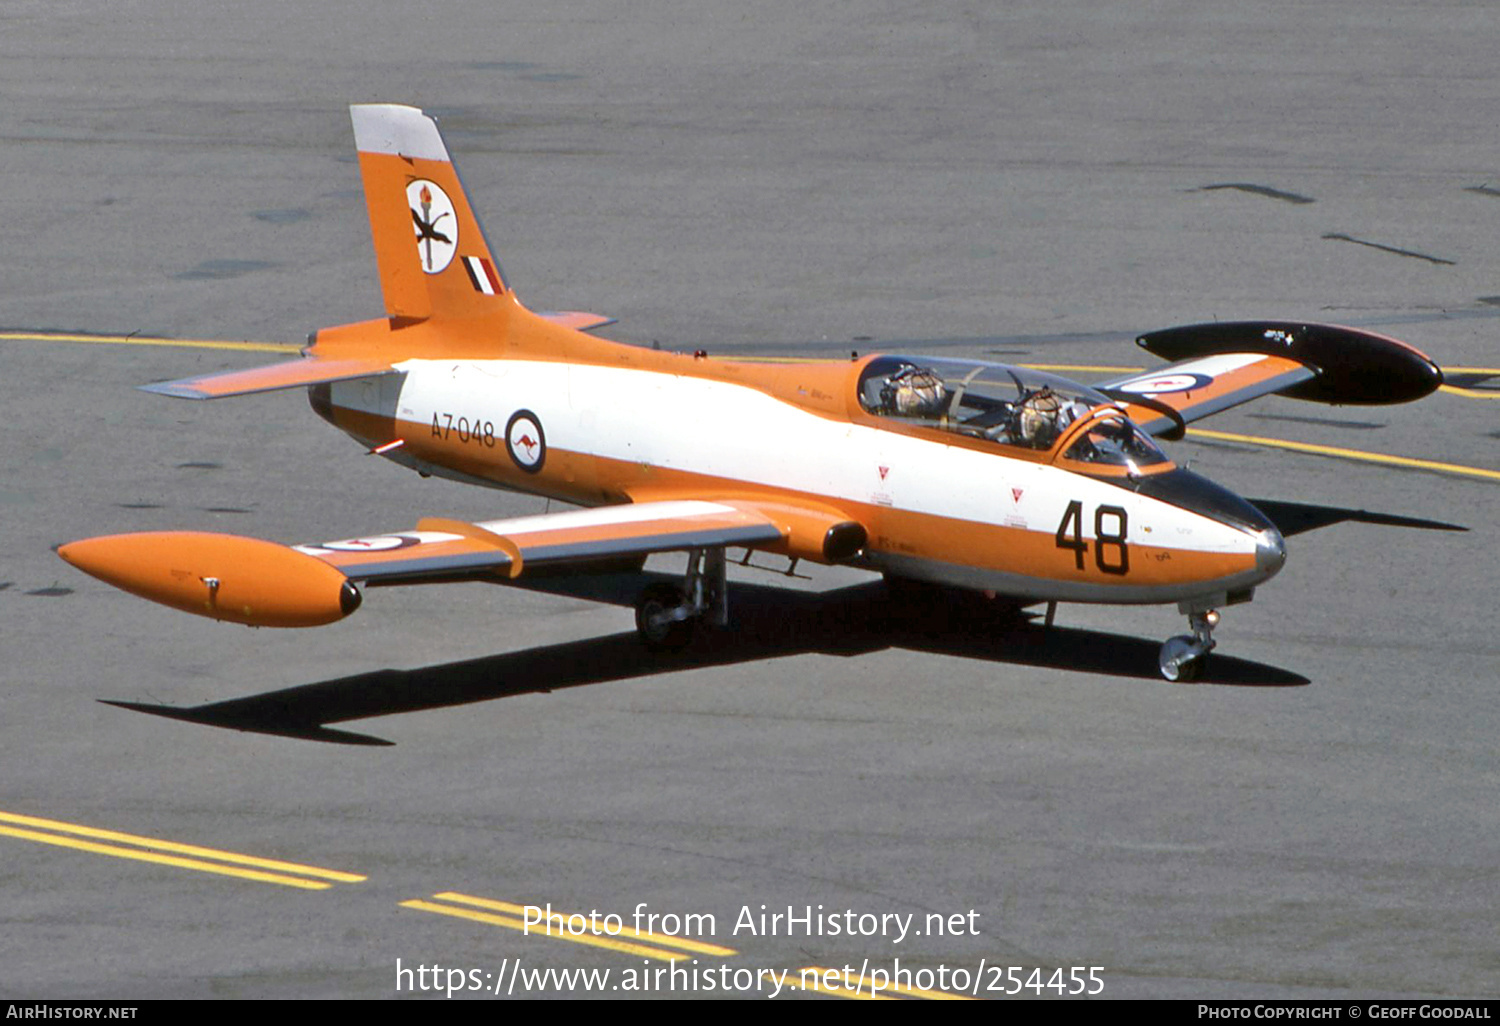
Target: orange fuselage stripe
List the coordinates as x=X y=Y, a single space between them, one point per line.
x=1031 y=551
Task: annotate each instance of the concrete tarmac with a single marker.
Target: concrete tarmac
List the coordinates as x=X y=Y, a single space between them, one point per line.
x=1030 y=183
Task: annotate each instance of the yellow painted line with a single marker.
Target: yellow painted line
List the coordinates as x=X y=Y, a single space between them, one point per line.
x=1350 y=454
x=1081 y=368
x=181 y=849
x=588 y=939
x=283 y=347
x=818 y=987
x=278 y=347
x=165 y=860
x=684 y=943
x=1468 y=393
x=143 y=340
x=866 y=983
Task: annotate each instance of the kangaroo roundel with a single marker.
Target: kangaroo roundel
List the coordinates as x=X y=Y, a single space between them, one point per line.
x=527 y=444
x=435 y=223
x=1164 y=383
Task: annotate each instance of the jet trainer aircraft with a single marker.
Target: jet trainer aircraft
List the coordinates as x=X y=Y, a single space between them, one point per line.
x=961 y=473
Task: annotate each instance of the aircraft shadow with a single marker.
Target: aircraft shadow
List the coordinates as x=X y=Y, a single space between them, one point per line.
x=769 y=623
x=1298 y=517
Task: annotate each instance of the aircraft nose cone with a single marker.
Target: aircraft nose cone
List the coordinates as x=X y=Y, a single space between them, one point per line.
x=1270 y=551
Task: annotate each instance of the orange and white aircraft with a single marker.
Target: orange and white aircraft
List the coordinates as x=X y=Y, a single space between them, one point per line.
x=954 y=472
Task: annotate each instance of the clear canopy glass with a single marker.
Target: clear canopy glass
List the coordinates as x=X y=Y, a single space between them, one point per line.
x=1012 y=406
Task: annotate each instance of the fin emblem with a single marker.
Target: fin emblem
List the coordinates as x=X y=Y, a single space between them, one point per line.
x=435 y=223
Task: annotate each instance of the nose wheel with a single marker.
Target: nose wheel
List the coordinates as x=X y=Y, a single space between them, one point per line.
x=1182 y=657
x=668 y=615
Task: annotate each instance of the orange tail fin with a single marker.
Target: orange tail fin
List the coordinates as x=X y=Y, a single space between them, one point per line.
x=433 y=257
x=444 y=292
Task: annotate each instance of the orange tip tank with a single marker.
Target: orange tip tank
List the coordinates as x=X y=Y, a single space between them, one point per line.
x=222 y=576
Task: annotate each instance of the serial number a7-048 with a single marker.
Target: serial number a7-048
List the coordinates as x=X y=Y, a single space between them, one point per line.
x=481 y=432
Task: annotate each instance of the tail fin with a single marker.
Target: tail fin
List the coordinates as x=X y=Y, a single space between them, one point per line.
x=432 y=254
x=435 y=267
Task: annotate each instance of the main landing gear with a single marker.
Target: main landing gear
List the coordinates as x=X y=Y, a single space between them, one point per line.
x=1182 y=657
x=667 y=615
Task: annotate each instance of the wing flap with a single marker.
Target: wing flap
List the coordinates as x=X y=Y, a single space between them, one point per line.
x=441 y=548
x=1203 y=386
x=289 y=374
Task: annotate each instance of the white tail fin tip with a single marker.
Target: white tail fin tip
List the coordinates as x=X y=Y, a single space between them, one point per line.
x=398 y=130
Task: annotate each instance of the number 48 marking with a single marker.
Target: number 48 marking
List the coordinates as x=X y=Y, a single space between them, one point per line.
x=1111 y=553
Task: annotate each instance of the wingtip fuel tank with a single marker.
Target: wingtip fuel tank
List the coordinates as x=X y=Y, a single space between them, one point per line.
x=220 y=576
x=1355 y=366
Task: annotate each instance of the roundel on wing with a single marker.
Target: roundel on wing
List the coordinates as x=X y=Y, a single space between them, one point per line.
x=1167 y=383
x=526 y=441
x=380 y=543
x=435 y=224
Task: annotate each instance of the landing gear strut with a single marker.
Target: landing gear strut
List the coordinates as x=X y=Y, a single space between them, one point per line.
x=667 y=615
x=1182 y=657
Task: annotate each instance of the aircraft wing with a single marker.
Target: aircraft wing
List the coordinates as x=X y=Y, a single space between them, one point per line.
x=1221 y=365
x=1162 y=400
x=264 y=584
x=441 y=549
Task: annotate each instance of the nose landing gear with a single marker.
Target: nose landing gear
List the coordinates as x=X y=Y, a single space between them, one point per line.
x=667 y=616
x=1182 y=657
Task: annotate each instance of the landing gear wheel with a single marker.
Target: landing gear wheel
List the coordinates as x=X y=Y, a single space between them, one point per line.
x=661 y=620
x=1182 y=659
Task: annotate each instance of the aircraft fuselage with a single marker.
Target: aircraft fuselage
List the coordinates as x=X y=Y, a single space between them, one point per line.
x=935 y=508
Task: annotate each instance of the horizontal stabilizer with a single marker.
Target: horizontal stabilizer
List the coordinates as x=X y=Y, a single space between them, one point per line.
x=291 y=374
x=577 y=319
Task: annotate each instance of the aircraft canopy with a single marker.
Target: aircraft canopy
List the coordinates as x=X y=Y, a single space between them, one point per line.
x=1011 y=406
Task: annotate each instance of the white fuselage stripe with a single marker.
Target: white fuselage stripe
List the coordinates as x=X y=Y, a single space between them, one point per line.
x=734 y=432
